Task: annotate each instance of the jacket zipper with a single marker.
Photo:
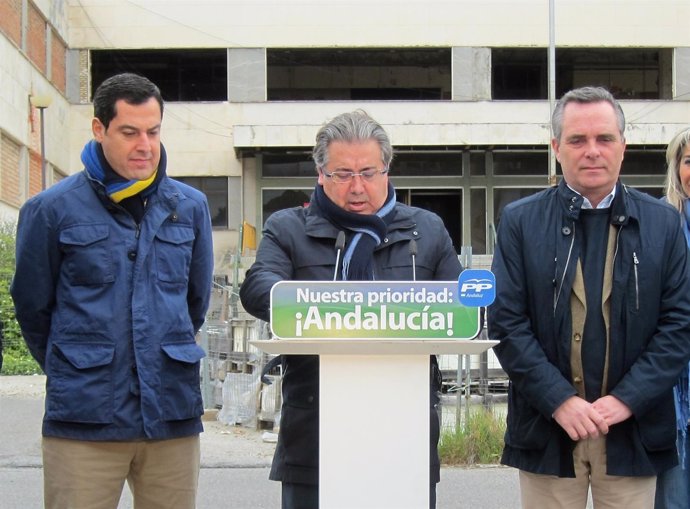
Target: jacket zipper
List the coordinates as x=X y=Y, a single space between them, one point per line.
x=557 y=292
x=636 y=262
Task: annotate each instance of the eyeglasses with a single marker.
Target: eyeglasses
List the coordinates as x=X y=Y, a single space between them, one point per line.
x=345 y=176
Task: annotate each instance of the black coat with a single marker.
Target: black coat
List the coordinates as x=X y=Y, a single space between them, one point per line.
x=299 y=244
x=539 y=243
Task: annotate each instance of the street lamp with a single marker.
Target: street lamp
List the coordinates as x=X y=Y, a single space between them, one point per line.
x=42 y=102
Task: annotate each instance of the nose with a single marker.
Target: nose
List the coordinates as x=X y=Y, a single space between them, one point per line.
x=357 y=184
x=592 y=149
x=144 y=142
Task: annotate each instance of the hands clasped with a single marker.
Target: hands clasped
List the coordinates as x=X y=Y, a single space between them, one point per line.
x=581 y=419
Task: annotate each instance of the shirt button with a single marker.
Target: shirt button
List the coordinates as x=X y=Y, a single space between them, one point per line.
x=577 y=380
x=577 y=337
x=132 y=255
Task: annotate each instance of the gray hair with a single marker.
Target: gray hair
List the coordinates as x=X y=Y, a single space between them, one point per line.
x=585 y=95
x=675 y=194
x=356 y=126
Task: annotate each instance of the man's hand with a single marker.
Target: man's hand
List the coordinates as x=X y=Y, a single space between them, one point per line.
x=612 y=409
x=580 y=419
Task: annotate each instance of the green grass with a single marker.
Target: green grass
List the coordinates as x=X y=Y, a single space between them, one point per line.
x=18 y=361
x=478 y=441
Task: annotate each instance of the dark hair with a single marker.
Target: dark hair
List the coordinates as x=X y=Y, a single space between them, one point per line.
x=585 y=95
x=351 y=127
x=131 y=88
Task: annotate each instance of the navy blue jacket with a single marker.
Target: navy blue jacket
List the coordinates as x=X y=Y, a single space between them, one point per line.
x=298 y=244
x=110 y=309
x=539 y=243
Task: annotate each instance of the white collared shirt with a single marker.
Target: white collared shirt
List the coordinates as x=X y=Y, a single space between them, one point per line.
x=603 y=204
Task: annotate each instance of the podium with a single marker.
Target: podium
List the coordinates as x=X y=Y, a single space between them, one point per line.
x=374 y=417
x=374 y=339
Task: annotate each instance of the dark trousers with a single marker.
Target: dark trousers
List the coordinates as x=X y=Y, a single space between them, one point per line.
x=306 y=496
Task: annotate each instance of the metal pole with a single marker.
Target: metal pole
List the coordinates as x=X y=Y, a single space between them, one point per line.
x=41 y=109
x=552 y=86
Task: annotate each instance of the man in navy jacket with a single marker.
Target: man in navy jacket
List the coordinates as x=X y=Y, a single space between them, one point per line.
x=593 y=316
x=113 y=277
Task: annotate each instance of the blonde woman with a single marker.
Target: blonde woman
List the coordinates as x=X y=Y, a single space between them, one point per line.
x=673 y=486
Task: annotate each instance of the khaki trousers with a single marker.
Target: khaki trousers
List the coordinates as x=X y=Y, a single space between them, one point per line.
x=162 y=474
x=608 y=491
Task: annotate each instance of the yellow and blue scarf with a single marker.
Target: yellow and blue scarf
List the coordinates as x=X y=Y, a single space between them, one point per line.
x=129 y=193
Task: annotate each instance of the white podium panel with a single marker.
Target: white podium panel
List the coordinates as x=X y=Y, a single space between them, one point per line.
x=374 y=417
x=374 y=443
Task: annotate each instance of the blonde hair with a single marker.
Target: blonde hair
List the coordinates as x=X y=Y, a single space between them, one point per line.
x=675 y=194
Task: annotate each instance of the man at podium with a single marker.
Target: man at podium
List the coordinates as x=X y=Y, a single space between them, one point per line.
x=353 y=229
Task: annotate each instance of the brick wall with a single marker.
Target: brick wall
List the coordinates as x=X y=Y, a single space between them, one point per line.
x=9 y=171
x=36 y=38
x=58 y=52
x=35 y=184
x=11 y=20
x=36 y=50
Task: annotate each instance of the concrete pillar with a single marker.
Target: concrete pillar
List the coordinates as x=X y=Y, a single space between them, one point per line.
x=681 y=71
x=471 y=68
x=246 y=75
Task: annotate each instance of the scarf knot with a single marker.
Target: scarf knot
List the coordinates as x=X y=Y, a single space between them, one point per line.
x=368 y=232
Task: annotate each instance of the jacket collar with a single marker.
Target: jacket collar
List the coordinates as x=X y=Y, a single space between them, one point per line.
x=621 y=211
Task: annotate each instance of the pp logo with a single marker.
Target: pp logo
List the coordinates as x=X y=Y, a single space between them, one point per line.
x=476 y=287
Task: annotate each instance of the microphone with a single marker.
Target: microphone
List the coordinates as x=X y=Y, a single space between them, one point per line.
x=413 y=254
x=339 y=245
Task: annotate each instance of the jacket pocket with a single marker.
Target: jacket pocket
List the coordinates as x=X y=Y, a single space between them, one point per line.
x=527 y=428
x=80 y=387
x=180 y=380
x=87 y=254
x=173 y=249
x=658 y=425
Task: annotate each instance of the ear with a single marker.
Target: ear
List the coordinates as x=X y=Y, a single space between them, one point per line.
x=98 y=129
x=555 y=146
x=321 y=177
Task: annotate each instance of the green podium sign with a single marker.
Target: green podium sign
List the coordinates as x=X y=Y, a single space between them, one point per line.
x=371 y=310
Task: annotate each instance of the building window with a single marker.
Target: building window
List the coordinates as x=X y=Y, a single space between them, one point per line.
x=445 y=203
x=274 y=200
x=427 y=163
x=629 y=73
x=478 y=220
x=181 y=74
x=216 y=191
x=359 y=74
x=513 y=162
x=287 y=163
x=519 y=73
